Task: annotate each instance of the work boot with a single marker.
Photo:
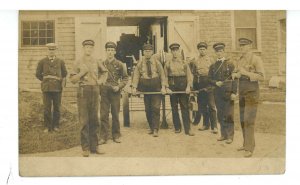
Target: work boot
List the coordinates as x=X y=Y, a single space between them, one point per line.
x=214 y=130
x=56 y=129
x=99 y=150
x=190 y=133
x=85 y=153
x=247 y=153
x=229 y=141
x=102 y=142
x=155 y=133
x=203 y=128
x=242 y=148
x=221 y=138
x=117 y=140
x=177 y=131
x=150 y=132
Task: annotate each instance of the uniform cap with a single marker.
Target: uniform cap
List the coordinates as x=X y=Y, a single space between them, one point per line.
x=51 y=46
x=147 y=47
x=174 y=45
x=219 y=46
x=245 y=41
x=201 y=45
x=110 y=45
x=88 y=42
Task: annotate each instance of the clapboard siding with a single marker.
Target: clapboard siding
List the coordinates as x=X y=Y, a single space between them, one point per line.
x=214 y=26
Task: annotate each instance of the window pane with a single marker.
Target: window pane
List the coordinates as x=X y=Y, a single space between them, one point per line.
x=42 y=41
x=26 y=41
x=34 y=41
x=42 y=25
x=26 y=25
x=49 y=24
x=42 y=33
x=34 y=33
x=49 y=33
x=249 y=33
x=26 y=33
x=50 y=40
x=34 y=25
x=245 y=18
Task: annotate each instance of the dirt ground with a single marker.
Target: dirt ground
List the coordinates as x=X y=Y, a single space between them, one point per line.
x=270 y=136
x=137 y=143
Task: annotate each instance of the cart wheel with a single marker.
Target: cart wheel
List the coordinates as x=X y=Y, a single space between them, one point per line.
x=126 y=115
x=192 y=115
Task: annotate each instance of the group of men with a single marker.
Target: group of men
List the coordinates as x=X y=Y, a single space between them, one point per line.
x=218 y=83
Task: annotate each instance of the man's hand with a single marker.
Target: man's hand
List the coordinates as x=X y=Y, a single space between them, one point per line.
x=219 y=83
x=233 y=97
x=115 y=88
x=188 y=90
x=236 y=75
x=244 y=72
x=169 y=91
x=163 y=91
x=133 y=91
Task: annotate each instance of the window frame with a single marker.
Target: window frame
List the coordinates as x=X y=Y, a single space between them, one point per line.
x=34 y=19
x=258 y=32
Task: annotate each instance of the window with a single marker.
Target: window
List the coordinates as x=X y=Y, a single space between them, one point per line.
x=246 y=25
x=37 y=33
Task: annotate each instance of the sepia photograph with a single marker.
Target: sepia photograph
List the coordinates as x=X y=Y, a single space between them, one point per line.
x=151 y=92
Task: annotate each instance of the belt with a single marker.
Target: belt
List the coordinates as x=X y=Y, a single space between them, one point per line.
x=51 y=77
x=176 y=76
x=244 y=78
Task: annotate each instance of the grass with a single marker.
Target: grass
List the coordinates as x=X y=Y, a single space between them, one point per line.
x=32 y=139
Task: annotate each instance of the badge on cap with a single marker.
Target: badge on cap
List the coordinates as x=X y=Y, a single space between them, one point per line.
x=88 y=42
x=218 y=46
x=110 y=45
x=174 y=46
x=244 y=41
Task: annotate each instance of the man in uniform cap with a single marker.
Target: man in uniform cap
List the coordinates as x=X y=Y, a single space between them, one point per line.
x=89 y=73
x=178 y=76
x=249 y=71
x=149 y=76
x=51 y=71
x=225 y=92
x=110 y=93
x=206 y=101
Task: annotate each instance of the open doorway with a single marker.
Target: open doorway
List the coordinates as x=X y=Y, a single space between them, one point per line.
x=131 y=33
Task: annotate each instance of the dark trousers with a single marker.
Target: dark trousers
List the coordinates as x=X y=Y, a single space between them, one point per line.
x=225 y=112
x=207 y=108
x=179 y=83
x=110 y=101
x=248 y=103
x=182 y=100
x=88 y=103
x=51 y=119
x=152 y=102
x=152 y=109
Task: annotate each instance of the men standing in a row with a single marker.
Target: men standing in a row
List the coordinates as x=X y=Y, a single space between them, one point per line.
x=179 y=78
x=220 y=76
x=110 y=93
x=51 y=71
x=250 y=70
x=206 y=101
x=87 y=72
x=149 y=76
